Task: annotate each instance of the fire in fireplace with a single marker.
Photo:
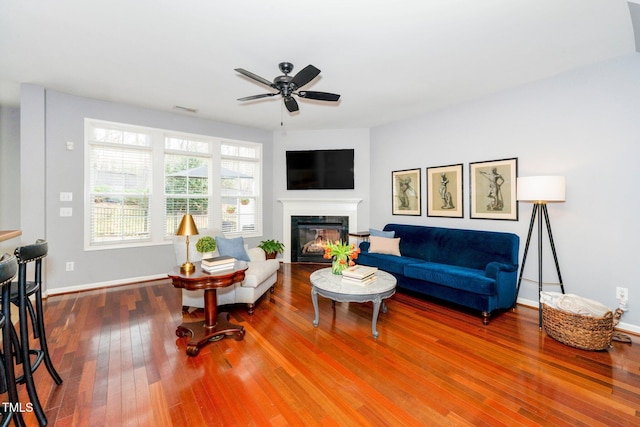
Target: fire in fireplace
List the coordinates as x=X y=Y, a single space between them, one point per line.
x=309 y=233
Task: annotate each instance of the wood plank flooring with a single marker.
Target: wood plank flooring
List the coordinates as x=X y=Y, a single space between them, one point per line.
x=123 y=365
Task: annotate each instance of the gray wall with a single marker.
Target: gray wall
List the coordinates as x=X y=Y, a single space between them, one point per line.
x=63 y=118
x=582 y=124
x=9 y=173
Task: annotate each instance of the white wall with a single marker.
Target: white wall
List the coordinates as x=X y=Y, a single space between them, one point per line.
x=583 y=124
x=358 y=139
x=49 y=120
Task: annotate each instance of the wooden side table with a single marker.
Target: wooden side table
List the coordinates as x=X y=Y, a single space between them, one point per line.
x=360 y=235
x=215 y=325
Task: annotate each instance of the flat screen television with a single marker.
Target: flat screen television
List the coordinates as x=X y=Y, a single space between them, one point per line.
x=320 y=170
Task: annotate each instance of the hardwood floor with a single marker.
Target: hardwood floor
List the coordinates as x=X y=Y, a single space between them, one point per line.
x=123 y=365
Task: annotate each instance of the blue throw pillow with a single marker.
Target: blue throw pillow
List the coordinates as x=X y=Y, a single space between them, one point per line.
x=379 y=233
x=232 y=247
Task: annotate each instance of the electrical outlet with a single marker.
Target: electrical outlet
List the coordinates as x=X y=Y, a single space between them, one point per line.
x=69 y=266
x=622 y=294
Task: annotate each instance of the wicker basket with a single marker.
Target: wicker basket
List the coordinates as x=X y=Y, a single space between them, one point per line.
x=577 y=330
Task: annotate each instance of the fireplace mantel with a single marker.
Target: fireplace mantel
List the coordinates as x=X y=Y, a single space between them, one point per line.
x=315 y=206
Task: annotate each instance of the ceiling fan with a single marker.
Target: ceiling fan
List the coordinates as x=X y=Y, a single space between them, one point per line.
x=288 y=86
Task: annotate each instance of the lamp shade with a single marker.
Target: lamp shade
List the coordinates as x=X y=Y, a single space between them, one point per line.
x=542 y=189
x=187 y=226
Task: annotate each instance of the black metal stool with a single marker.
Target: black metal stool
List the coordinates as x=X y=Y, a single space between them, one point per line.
x=10 y=409
x=20 y=293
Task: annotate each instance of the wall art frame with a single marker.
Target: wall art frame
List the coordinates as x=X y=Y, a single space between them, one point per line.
x=444 y=191
x=492 y=190
x=406 y=192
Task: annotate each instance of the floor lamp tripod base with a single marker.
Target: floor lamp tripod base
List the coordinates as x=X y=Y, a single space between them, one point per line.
x=540 y=212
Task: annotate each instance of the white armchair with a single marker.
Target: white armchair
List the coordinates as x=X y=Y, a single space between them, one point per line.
x=260 y=276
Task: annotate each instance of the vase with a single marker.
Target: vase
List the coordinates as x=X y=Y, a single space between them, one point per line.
x=339 y=264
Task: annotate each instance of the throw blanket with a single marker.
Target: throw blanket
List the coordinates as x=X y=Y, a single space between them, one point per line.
x=574 y=304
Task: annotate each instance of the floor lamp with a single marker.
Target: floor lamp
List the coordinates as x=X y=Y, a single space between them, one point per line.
x=540 y=190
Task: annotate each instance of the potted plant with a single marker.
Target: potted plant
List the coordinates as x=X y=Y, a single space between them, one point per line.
x=206 y=245
x=244 y=202
x=231 y=209
x=271 y=248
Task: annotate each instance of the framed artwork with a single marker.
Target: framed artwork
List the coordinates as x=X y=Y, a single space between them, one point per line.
x=406 y=192
x=493 y=189
x=444 y=191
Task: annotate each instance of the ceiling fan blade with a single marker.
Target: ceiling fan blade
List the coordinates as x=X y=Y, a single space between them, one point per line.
x=304 y=76
x=320 y=96
x=255 y=77
x=249 y=98
x=291 y=104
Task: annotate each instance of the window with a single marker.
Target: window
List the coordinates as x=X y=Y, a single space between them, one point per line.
x=120 y=186
x=241 y=203
x=141 y=181
x=187 y=165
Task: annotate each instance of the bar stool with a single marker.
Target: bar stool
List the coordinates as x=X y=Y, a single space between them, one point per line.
x=11 y=409
x=20 y=293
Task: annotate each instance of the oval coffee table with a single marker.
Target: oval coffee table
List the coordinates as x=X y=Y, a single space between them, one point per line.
x=329 y=285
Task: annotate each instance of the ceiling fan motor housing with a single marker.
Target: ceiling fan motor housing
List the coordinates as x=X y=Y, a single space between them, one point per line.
x=286 y=67
x=283 y=85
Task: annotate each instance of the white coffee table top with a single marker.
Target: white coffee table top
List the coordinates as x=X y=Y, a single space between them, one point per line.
x=326 y=280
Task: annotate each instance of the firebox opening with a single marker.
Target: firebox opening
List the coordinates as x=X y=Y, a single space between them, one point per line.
x=310 y=233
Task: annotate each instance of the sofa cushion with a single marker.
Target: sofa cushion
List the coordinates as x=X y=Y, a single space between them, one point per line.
x=233 y=248
x=463 y=278
x=389 y=263
x=384 y=245
x=380 y=233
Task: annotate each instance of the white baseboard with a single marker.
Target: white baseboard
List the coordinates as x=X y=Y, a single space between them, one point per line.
x=99 y=285
x=622 y=326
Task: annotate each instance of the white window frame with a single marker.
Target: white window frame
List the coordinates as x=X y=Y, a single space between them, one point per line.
x=157 y=204
x=257 y=196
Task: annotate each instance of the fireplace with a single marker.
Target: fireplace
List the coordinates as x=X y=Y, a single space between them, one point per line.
x=334 y=207
x=310 y=233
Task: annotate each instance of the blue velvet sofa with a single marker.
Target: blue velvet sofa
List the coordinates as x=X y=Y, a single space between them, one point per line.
x=475 y=269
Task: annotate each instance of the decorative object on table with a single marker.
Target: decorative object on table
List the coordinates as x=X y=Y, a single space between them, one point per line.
x=219 y=263
x=406 y=192
x=493 y=189
x=271 y=248
x=342 y=255
x=541 y=190
x=187 y=228
x=359 y=275
x=206 y=245
x=578 y=322
x=444 y=191
x=359 y=271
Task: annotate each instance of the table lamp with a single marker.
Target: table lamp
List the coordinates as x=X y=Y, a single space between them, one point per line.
x=187 y=228
x=540 y=190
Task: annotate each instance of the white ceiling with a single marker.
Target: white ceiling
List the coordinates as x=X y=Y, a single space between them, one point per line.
x=388 y=59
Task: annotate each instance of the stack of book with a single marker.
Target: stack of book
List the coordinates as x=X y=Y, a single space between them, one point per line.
x=359 y=275
x=217 y=264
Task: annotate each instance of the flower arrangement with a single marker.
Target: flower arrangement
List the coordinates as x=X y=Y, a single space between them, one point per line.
x=342 y=253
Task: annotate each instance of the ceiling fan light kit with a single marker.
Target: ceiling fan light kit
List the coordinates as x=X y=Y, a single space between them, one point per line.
x=288 y=86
